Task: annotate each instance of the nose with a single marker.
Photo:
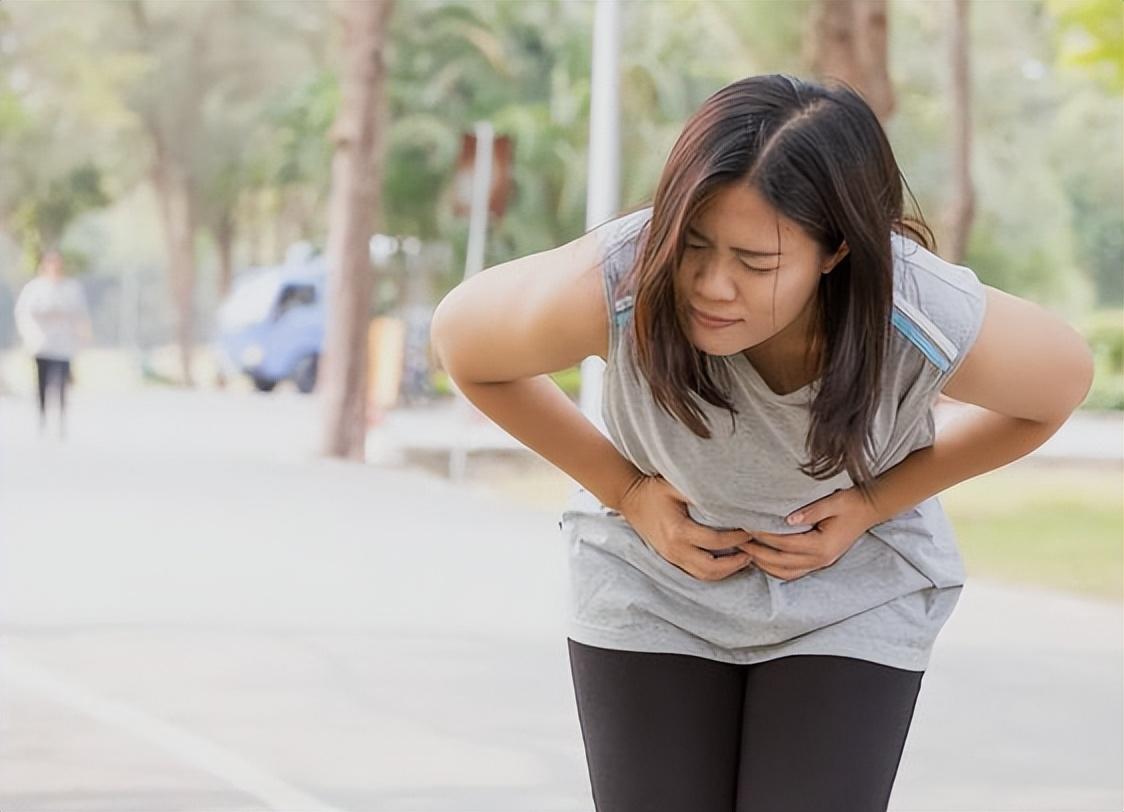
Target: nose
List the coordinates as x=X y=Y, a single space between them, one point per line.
x=712 y=283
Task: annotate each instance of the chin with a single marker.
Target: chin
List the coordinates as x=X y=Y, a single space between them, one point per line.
x=712 y=347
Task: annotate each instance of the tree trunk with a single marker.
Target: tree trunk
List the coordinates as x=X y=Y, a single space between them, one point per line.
x=251 y=226
x=847 y=39
x=223 y=233
x=169 y=133
x=961 y=210
x=174 y=193
x=357 y=136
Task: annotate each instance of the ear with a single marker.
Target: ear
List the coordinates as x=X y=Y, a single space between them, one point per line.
x=840 y=252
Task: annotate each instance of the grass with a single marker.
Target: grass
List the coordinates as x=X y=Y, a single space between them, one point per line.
x=1050 y=524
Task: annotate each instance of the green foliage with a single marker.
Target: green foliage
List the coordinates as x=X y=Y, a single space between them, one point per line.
x=524 y=67
x=1104 y=331
x=1090 y=37
x=50 y=177
x=1046 y=152
x=248 y=91
x=39 y=220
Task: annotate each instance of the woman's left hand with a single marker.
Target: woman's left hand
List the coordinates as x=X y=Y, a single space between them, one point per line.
x=839 y=518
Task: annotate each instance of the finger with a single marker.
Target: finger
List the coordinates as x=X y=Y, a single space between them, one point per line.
x=787 y=573
x=784 y=573
x=699 y=535
x=768 y=557
x=798 y=543
x=814 y=512
x=706 y=567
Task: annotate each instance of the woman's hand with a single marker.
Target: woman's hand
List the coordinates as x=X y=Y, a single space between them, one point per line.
x=658 y=512
x=839 y=519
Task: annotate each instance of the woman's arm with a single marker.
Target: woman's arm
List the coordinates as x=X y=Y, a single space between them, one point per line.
x=498 y=333
x=1027 y=370
x=502 y=330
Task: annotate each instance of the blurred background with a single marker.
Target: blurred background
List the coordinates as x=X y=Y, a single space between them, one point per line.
x=275 y=563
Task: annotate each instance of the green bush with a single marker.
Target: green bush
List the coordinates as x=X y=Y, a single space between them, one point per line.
x=1104 y=330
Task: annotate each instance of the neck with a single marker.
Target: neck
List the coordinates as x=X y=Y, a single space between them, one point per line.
x=789 y=359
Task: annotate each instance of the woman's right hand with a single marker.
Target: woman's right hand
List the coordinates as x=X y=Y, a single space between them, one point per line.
x=658 y=512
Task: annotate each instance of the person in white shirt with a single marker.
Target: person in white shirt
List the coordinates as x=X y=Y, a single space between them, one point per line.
x=53 y=320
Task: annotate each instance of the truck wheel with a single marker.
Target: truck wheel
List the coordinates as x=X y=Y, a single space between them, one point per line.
x=304 y=376
x=263 y=384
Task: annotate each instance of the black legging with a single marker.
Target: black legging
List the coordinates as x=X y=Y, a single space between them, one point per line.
x=52 y=372
x=802 y=733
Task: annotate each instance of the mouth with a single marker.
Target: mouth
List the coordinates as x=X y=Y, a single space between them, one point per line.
x=707 y=320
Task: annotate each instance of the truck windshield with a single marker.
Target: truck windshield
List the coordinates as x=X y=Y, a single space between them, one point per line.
x=250 y=302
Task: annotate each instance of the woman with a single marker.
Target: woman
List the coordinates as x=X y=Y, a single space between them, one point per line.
x=759 y=563
x=52 y=319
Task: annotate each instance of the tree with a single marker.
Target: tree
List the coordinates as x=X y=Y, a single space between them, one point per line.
x=51 y=173
x=209 y=70
x=847 y=40
x=357 y=138
x=962 y=207
x=170 y=107
x=1090 y=36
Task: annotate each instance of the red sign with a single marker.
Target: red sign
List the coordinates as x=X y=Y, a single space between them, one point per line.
x=503 y=149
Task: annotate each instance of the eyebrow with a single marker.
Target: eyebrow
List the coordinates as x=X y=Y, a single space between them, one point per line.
x=750 y=251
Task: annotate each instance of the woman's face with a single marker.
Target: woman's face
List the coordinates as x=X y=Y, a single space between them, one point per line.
x=734 y=269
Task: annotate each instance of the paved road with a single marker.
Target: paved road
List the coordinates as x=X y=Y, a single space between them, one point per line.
x=197 y=614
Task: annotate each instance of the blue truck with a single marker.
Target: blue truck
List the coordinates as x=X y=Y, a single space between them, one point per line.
x=271 y=324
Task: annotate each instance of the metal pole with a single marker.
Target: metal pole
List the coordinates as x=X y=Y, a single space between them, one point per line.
x=481 y=186
x=603 y=186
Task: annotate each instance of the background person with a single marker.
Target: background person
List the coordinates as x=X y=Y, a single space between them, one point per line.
x=53 y=319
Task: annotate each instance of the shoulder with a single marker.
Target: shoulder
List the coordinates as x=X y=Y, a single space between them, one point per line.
x=30 y=288
x=622 y=237
x=938 y=305
x=628 y=224
x=619 y=249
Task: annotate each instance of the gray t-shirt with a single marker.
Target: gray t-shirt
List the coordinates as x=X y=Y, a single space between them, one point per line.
x=884 y=600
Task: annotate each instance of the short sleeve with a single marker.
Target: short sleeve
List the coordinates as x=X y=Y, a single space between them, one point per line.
x=619 y=248
x=937 y=313
x=938 y=309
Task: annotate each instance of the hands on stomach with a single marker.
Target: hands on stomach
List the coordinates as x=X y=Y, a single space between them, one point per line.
x=658 y=512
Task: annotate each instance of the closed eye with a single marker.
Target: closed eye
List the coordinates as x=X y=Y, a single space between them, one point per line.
x=759 y=270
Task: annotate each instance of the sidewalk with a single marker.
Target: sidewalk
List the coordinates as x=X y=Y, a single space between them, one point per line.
x=220 y=620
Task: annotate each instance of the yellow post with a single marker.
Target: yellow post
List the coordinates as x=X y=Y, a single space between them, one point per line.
x=386 y=345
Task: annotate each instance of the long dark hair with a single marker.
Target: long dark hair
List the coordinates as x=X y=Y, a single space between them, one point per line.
x=818 y=154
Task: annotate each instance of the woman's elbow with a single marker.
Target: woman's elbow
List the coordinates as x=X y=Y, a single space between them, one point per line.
x=1071 y=385
x=442 y=329
x=461 y=340
x=1084 y=373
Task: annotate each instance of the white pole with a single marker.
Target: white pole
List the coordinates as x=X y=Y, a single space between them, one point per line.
x=481 y=185
x=473 y=262
x=603 y=186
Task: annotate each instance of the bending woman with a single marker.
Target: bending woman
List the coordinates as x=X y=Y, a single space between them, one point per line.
x=759 y=563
